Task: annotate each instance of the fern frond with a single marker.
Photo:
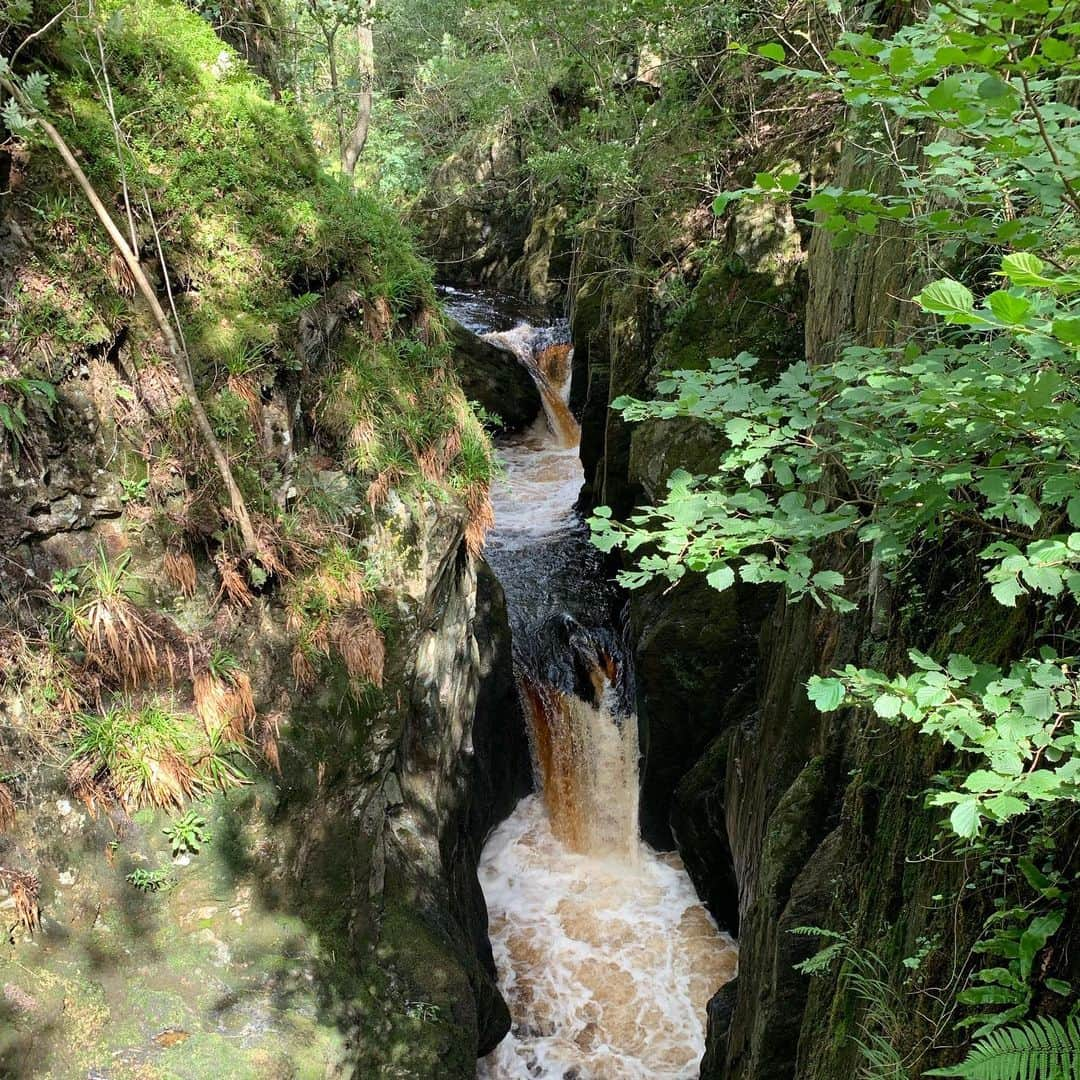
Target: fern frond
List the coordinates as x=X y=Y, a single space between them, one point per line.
x=1040 y=1049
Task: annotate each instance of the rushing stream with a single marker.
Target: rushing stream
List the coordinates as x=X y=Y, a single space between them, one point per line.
x=605 y=954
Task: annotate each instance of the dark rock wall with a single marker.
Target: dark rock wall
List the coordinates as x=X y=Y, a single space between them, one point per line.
x=785 y=817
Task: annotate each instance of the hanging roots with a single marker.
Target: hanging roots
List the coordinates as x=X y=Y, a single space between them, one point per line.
x=180 y=570
x=481 y=518
x=7 y=807
x=233 y=585
x=24 y=888
x=360 y=645
x=225 y=705
x=89 y=784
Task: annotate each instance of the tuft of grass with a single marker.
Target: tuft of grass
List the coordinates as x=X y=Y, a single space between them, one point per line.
x=224 y=700
x=109 y=625
x=149 y=755
x=143 y=754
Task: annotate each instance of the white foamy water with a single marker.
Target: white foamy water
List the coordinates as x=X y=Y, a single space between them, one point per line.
x=607 y=964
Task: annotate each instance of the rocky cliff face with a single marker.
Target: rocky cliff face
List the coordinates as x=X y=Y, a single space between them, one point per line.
x=785 y=817
x=332 y=921
x=242 y=791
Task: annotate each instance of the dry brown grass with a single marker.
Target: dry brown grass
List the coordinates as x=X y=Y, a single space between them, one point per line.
x=234 y=587
x=24 y=888
x=246 y=389
x=302 y=668
x=225 y=705
x=360 y=645
x=7 y=807
x=380 y=487
x=45 y=682
x=116 y=270
x=117 y=639
x=267 y=735
x=435 y=460
x=179 y=569
x=481 y=518
x=89 y=784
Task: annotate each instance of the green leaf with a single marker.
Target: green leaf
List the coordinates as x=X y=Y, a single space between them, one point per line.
x=827 y=694
x=888 y=706
x=1023 y=268
x=965 y=818
x=773 y=52
x=1067 y=329
x=1038 y=702
x=721 y=578
x=1008 y=308
x=946 y=297
x=961 y=667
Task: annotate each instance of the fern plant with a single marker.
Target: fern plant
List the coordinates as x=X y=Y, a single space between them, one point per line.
x=1039 y=1049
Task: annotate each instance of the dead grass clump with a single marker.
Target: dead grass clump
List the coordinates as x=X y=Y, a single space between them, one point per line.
x=116 y=270
x=225 y=704
x=24 y=888
x=7 y=807
x=233 y=585
x=360 y=645
x=43 y=679
x=268 y=733
x=380 y=487
x=246 y=389
x=481 y=518
x=303 y=668
x=179 y=569
x=112 y=631
x=87 y=781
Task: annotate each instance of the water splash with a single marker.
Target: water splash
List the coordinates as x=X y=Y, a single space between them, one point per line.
x=607 y=965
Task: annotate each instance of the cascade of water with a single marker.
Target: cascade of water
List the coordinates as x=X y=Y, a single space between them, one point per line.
x=550 y=369
x=605 y=954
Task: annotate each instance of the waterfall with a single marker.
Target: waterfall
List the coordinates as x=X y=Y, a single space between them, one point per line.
x=550 y=369
x=605 y=954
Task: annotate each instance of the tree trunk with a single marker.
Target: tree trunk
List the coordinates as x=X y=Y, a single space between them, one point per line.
x=352 y=149
x=180 y=357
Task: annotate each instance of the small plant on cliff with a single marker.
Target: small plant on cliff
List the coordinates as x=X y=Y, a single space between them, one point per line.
x=187 y=834
x=149 y=881
x=19 y=395
x=1044 y=1048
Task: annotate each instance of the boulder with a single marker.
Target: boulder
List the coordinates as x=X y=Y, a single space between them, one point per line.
x=495 y=378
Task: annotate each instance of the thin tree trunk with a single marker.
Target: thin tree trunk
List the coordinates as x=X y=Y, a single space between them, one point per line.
x=180 y=357
x=335 y=92
x=352 y=149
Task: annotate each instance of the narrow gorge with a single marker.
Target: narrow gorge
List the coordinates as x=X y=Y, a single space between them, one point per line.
x=539 y=542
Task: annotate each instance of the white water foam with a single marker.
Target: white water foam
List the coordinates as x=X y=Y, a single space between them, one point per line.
x=607 y=964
